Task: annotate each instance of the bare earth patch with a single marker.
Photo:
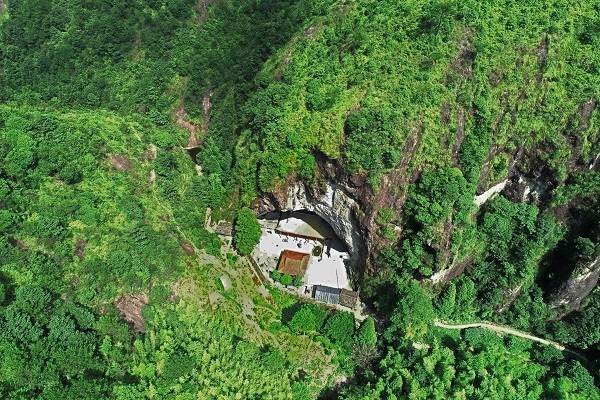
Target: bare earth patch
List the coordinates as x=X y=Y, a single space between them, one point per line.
x=188 y=248
x=247 y=306
x=389 y=194
x=152 y=177
x=130 y=307
x=445 y=113
x=541 y=53
x=121 y=163
x=181 y=119
x=80 y=249
x=150 y=153
x=310 y=32
x=463 y=63
x=16 y=242
x=214 y=298
x=446 y=275
x=278 y=74
x=202 y=10
x=196 y=132
x=460 y=134
x=585 y=112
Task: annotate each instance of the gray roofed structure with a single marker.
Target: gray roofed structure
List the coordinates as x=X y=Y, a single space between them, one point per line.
x=327 y=294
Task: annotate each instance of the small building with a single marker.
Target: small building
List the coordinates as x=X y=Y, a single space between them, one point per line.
x=331 y=295
x=326 y=294
x=293 y=263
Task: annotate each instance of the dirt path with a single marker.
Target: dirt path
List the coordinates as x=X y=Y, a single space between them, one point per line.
x=515 y=332
x=197 y=132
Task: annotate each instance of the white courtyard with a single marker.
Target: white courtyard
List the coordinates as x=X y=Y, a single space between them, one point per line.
x=304 y=235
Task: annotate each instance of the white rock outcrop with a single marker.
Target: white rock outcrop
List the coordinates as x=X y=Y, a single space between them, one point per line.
x=485 y=196
x=596 y=162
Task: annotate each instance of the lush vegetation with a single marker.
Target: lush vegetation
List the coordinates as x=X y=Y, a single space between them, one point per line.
x=111 y=285
x=425 y=362
x=97 y=208
x=247 y=231
x=355 y=347
x=286 y=280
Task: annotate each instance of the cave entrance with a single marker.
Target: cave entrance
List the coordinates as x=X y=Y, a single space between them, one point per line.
x=300 y=223
x=302 y=245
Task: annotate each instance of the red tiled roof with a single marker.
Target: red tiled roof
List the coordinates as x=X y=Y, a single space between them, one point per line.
x=293 y=263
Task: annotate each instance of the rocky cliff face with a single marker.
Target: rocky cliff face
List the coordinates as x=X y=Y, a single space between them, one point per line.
x=334 y=206
x=582 y=281
x=350 y=205
x=522 y=172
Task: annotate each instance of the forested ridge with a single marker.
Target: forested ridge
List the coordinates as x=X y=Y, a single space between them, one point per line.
x=111 y=285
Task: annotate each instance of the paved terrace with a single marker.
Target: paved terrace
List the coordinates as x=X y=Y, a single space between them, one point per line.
x=328 y=269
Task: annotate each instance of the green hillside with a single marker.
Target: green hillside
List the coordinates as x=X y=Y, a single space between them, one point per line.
x=112 y=284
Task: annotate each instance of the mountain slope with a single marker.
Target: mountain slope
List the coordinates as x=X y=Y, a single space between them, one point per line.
x=406 y=111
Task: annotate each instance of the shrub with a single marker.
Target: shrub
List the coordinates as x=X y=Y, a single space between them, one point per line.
x=584 y=184
x=473 y=152
x=308 y=318
x=372 y=140
x=447 y=302
x=366 y=334
x=276 y=276
x=33 y=300
x=387 y=232
x=159 y=294
x=303 y=321
x=247 y=231
x=286 y=280
x=340 y=329
x=433 y=198
x=385 y=216
x=297 y=280
x=209 y=190
x=414 y=314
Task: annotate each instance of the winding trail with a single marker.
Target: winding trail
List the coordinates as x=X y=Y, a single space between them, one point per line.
x=515 y=332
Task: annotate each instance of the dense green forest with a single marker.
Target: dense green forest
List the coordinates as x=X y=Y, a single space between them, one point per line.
x=112 y=287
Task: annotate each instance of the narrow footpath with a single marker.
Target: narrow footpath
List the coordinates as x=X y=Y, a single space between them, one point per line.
x=515 y=332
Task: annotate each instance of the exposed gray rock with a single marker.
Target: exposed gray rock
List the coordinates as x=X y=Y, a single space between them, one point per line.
x=580 y=284
x=333 y=202
x=150 y=153
x=528 y=189
x=445 y=275
x=509 y=297
x=585 y=114
x=596 y=163
x=152 y=177
x=214 y=298
x=226 y=282
x=130 y=307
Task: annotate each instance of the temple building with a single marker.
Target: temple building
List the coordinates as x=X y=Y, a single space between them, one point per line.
x=302 y=244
